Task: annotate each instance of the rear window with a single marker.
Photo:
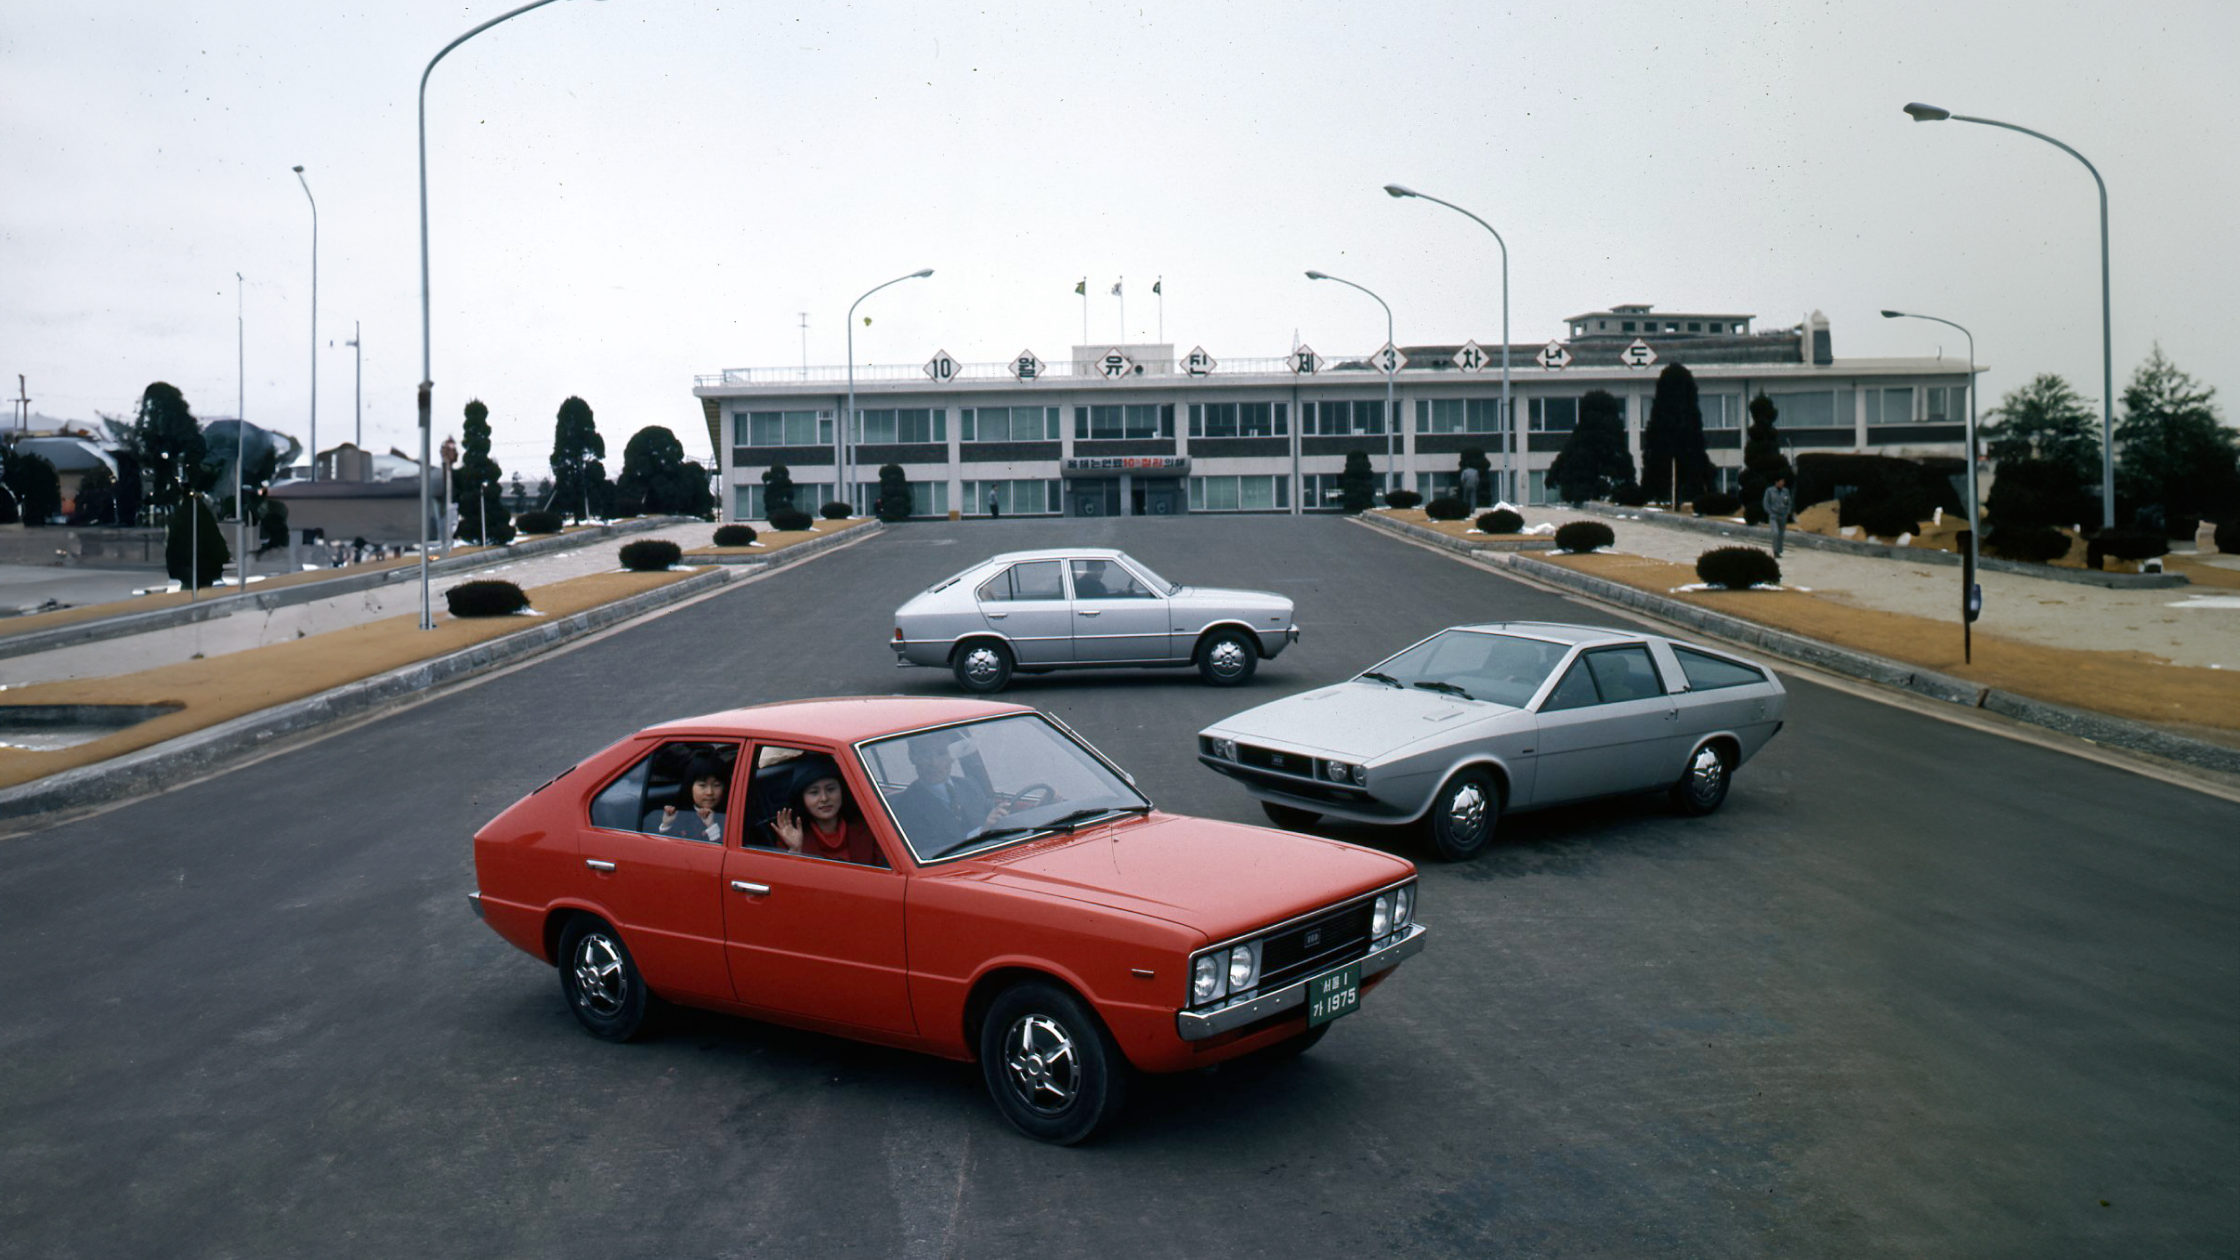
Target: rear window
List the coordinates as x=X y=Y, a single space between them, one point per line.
x=1708 y=673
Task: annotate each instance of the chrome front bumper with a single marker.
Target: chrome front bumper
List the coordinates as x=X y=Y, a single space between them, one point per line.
x=1199 y=1025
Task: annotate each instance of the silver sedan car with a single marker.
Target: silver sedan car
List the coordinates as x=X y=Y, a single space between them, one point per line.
x=1479 y=720
x=1085 y=608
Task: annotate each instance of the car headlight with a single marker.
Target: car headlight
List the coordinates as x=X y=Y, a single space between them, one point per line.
x=1244 y=967
x=1335 y=771
x=1206 y=978
x=1226 y=749
x=1403 y=906
x=1380 y=916
x=1360 y=774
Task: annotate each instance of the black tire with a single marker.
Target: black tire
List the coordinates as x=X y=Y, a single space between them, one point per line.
x=1464 y=815
x=982 y=666
x=1227 y=658
x=1050 y=1065
x=1702 y=787
x=601 y=981
x=1288 y=817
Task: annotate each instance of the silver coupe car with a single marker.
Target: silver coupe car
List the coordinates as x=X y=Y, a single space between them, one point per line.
x=1478 y=720
x=1085 y=608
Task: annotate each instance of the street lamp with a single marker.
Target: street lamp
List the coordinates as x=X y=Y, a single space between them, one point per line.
x=1931 y=113
x=1975 y=522
x=1391 y=419
x=846 y=487
x=427 y=371
x=358 y=386
x=1508 y=421
x=314 y=321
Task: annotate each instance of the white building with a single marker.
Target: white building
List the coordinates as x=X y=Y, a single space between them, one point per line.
x=1137 y=430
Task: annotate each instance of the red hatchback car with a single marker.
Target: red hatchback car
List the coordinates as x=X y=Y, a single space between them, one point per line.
x=957 y=877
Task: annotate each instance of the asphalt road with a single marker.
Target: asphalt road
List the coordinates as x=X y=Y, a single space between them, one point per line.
x=1916 y=991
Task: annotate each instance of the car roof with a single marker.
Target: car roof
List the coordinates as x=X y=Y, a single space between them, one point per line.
x=841 y=719
x=1057 y=553
x=1558 y=631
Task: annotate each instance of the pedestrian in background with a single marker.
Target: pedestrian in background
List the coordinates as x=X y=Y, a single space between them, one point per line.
x=1777 y=503
x=995 y=507
x=1470 y=488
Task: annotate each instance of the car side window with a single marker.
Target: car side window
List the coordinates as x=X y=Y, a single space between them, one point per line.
x=1624 y=673
x=1104 y=579
x=799 y=803
x=996 y=589
x=1038 y=579
x=680 y=789
x=1576 y=691
x=1708 y=673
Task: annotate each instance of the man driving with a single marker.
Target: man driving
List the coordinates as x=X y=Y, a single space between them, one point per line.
x=943 y=807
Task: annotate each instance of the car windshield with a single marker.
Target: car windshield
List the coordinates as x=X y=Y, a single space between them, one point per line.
x=965 y=789
x=1159 y=584
x=1501 y=668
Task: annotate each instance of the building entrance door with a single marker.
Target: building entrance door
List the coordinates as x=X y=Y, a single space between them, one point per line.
x=1158 y=496
x=1093 y=496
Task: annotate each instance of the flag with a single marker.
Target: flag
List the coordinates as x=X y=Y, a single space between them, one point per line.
x=1156 y=283
x=1083 y=287
x=1116 y=288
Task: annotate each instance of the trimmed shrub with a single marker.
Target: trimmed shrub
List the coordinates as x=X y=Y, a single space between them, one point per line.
x=2038 y=544
x=1403 y=499
x=1718 y=503
x=485 y=599
x=2228 y=532
x=538 y=522
x=1629 y=494
x=1738 y=568
x=734 y=535
x=2125 y=544
x=790 y=518
x=1445 y=508
x=1500 y=521
x=650 y=555
x=1583 y=536
x=836 y=511
x=1887 y=519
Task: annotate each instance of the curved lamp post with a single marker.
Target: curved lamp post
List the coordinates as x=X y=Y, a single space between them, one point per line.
x=1391 y=420
x=314 y=321
x=427 y=372
x=843 y=470
x=1508 y=421
x=1931 y=113
x=1975 y=514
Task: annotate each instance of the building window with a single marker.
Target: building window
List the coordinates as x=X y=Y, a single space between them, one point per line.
x=1325 y=492
x=1136 y=420
x=1010 y=424
x=1695 y=325
x=1443 y=484
x=1816 y=410
x=1895 y=406
x=1946 y=402
x=780 y=428
x=809 y=496
x=1720 y=411
x=1458 y=415
x=1625 y=326
x=1016 y=498
x=927 y=498
x=1219 y=420
x=902 y=424
x=1240 y=494
x=1554 y=415
x=1342 y=418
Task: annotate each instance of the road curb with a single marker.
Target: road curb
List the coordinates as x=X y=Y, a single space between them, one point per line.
x=1437 y=538
x=202 y=752
x=2100 y=728
x=798 y=551
x=127 y=624
x=1763 y=536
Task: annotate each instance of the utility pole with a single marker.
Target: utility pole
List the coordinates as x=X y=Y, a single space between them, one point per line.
x=23 y=405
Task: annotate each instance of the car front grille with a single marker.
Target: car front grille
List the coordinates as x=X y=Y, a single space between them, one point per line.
x=1281 y=762
x=1320 y=943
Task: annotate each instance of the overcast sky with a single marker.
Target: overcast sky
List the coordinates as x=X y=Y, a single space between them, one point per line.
x=625 y=193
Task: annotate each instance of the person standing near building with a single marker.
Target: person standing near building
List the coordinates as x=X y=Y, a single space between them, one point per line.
x=995 y=506
x=1470 y=488
x=1777 y=503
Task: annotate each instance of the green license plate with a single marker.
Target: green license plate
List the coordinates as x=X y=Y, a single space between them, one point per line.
x=1334 y=993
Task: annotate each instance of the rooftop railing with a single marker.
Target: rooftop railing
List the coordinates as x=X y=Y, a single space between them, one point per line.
x=1003 y=371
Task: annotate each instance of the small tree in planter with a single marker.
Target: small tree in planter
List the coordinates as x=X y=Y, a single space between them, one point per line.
x=2228 y=530
x=1717 y=503
x=835 y=511
x=1403 y=499
x=1887 y=518
x=1446 y=509
x=195 y=560
x=489 y=598
x=2037 y=544
x=894 y=494
x=791 y=519
x=1762 y=460
x=1500 y=521
x=777 y=490
x=734 y=535
x=2125 y=544
x=539 y=521
x=1738 y=568
x=1579 y=537
x=1629 y=494
x=650 y=555
x=1473 y=457
x=1594 y=458
x=1357 y=485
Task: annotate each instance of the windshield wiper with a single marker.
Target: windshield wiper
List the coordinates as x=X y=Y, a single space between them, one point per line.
x=1374 y=676
x=1446 y=688
x=1064 y=822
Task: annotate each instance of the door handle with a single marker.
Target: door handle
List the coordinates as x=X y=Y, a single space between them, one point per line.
x=1672 y=715
x=997 y=616
x=1086 y=612
x=752 y=890
x=597 y=865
